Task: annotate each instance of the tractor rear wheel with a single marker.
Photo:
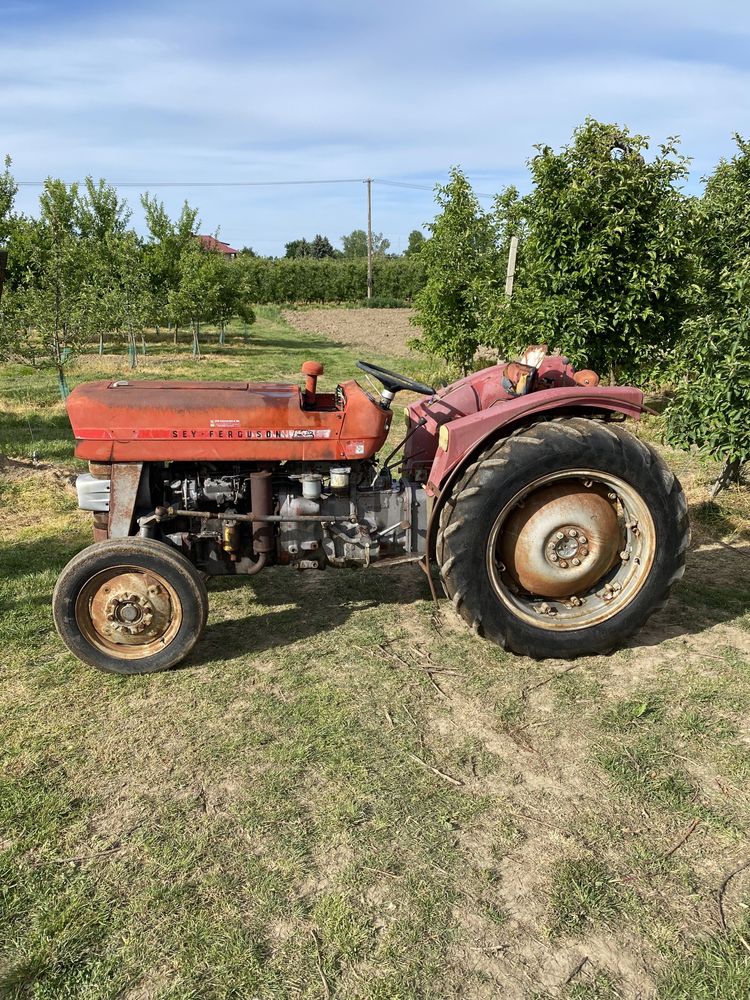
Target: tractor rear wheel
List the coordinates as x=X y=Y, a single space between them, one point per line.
x=130 y=606
x=562 y=539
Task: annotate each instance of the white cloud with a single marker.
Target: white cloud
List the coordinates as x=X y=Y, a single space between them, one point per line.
x=146 y=96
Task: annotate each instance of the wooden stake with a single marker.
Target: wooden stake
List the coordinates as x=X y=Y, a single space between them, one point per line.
x=511 y=271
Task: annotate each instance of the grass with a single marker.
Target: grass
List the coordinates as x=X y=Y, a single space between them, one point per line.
x=274 y=820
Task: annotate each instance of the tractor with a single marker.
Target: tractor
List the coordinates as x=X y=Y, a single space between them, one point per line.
x=556 y=532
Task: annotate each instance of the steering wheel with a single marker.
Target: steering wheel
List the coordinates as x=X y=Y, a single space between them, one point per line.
x=393 y=381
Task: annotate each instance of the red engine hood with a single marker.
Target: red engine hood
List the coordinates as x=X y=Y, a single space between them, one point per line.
x=222 y=421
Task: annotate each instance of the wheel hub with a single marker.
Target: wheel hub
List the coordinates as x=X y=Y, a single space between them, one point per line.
x=128 y=610
x=562 y=539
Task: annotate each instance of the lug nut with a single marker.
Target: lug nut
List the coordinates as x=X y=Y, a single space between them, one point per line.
x=560 y=535
x=611 y=496
x=576 y=562
x=625 y=555
x=563 y=564
x=554 y=557
x=583 y=539
x=583 y=552
x=573 y=533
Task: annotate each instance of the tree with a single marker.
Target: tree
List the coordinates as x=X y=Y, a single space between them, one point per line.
x=168 y=241
x=102 y=219
x=461 y=249
x=710 y=408
x=8 y=191
x=298 y=248
x=53 y=296
x=355 y=244
x=606 y=265
x=416 y=242
x=321 y=247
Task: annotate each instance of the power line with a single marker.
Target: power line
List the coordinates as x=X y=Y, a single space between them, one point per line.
x=177 y=184
x=237 y=184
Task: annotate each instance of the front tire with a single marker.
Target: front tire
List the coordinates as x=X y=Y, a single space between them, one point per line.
x=562 y=539
x=130 y=606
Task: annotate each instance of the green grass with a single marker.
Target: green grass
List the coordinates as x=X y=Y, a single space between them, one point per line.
x=275 y=819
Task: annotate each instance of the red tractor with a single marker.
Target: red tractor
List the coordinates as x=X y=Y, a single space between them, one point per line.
x=556 y=532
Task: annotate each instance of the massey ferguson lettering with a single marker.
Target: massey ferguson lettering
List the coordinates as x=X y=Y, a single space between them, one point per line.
x=203 y=434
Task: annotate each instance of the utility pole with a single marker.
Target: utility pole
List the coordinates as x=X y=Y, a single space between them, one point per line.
x=369 y=237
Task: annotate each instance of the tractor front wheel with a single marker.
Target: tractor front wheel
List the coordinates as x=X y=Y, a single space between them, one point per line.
x=562 y=539
x=130 y=606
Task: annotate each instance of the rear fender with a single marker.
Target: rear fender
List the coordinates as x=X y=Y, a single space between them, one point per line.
x=470 y=435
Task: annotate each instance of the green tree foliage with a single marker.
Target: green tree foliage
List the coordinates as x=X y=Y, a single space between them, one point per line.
x=297 y=248
x=606 y=263
x=168 y=240
x=333 y=280
x=712 y=363
x=321 y=248
x=461 y=251
x=53 y=300
x=318 y=248
x=723 y=232
x=8 y=189
x=355 y=244
x=416 y=242
x=711 y=408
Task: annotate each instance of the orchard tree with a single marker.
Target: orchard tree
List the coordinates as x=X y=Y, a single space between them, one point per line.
x=168 y=240
x=8 y=191
x=196 y=299
x=606 y=267
x=102 y=224
x=724 y=222
x=710 y=408
x=355 y=244
x=59 y=263
x=461 y=250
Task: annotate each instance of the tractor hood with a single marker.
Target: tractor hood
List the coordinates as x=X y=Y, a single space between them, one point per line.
x=127 y=421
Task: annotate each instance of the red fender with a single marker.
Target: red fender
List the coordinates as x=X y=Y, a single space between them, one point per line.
x=466 y=435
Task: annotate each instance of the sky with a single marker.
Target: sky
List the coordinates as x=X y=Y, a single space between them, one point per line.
x=190 y=94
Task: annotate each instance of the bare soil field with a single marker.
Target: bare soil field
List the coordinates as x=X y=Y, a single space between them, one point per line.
x=386 y=331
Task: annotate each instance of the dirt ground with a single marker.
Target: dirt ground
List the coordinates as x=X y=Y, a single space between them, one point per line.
x=384 y=330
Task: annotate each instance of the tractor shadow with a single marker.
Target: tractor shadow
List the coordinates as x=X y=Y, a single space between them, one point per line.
x=320 y=602
x=715 y=590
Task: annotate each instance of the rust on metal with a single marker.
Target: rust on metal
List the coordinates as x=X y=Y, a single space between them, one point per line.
x=261 y=503
x=586 y=377
x=128 y=612
x=124 y=483
x=561 y=539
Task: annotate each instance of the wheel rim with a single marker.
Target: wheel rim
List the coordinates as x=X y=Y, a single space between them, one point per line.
x=128 y=612
x=571 y=550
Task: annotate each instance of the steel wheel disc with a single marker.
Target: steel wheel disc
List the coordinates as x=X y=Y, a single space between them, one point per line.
x=128 y=612
x=571 y=550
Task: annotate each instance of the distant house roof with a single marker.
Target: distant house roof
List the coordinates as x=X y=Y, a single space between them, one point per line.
x=211 y=243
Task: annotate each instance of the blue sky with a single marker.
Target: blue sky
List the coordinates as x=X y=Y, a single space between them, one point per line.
x=288 y=90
